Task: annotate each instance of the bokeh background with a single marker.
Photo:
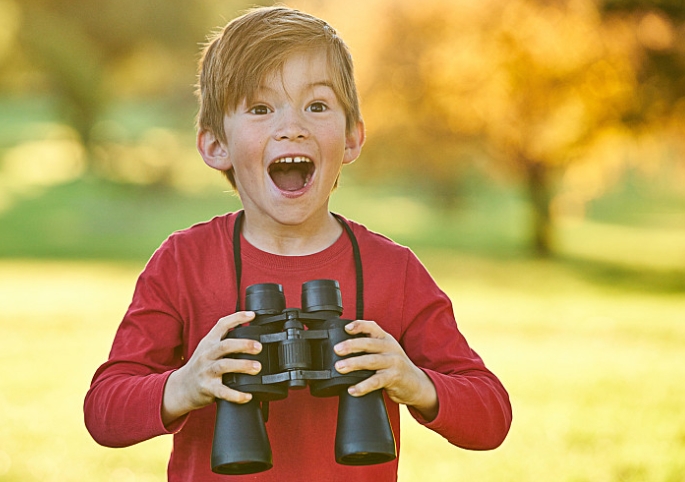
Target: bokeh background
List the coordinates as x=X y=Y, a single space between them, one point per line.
x=531 y=152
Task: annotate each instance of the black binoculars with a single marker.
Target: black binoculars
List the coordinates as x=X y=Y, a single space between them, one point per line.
x=297 y=351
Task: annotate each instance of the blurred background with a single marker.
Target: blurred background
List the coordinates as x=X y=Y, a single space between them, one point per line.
x=531 y=152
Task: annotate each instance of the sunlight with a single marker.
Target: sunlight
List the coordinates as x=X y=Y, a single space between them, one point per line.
x=624 y=245
x=33 y=165
x=9 y=25
x=593 y=374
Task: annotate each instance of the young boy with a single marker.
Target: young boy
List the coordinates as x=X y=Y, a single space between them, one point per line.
x=279 y=116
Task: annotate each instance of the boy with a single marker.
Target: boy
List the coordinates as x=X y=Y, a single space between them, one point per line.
x=279 y=116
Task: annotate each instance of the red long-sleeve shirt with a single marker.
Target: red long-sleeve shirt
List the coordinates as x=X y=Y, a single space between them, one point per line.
x=189 y=283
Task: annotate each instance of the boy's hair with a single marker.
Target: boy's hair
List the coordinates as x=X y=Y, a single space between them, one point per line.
x=249 y=48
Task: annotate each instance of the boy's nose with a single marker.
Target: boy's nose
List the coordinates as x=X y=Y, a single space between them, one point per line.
x=291 y=126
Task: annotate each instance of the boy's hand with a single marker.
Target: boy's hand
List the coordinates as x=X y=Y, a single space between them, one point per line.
x=199 y=382
x=403 y=381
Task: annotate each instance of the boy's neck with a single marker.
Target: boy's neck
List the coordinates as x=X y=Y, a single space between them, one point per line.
x=297 y=240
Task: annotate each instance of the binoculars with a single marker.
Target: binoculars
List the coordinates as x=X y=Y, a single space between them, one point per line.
x=297 y=352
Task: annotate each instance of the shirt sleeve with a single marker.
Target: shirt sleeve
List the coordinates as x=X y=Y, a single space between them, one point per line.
x=123 y=405
x=474 y=409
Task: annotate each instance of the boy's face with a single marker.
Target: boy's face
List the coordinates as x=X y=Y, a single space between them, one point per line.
x=288 y=145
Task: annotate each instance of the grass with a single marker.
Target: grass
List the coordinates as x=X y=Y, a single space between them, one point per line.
x=58 y=320
x=95 y=219
x=595 y=375
x=589 y=345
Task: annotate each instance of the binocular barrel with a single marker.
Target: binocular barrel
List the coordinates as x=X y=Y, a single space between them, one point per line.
x=297 y=351
x=241 y=444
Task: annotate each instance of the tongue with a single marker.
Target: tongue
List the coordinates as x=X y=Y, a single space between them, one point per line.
x=288 y=178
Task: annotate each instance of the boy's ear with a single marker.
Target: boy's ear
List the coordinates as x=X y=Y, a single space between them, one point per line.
x=213 y=151
x=354 y=142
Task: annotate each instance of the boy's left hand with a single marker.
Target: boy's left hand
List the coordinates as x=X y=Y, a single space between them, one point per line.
x=403 y=381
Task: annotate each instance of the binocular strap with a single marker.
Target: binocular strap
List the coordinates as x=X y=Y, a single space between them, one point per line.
x=237 y=260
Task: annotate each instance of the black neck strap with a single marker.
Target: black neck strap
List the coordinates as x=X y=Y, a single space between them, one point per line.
x=237 y=260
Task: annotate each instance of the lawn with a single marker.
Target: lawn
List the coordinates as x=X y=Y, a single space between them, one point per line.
x=595 y=375
x=590 y=345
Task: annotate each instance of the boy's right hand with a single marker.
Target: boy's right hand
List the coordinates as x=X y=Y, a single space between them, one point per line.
x=199 y=382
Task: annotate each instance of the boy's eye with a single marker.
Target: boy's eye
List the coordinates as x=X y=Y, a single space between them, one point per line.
x=317 y=107
x=260 y=110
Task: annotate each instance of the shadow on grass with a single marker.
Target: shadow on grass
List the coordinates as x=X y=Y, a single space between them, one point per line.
x=626 y=277
x=104 y=220
x=97 y=219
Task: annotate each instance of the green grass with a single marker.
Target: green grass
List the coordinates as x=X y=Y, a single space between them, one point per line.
x=595 y=374
x=96 y=219
x=590 y=344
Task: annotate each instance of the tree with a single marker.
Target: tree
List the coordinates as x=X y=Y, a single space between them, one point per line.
x=93 y=55
x=654 y=31
x=534 y=84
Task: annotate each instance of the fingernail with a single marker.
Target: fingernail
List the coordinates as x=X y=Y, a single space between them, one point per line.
x=256 y=366
x=352 y=390
x=340 y=366
x=349 y=326
x=257 y=346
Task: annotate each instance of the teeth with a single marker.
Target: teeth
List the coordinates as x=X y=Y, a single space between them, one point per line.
x=290 y=160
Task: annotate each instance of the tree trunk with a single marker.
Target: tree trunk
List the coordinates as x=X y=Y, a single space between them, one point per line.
x=539 y=191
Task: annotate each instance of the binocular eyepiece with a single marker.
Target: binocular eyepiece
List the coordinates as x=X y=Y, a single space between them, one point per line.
x=297 y=352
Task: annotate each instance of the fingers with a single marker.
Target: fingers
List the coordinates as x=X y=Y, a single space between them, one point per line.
x=364 y=362
x=218 y=346
x=202 y=375
x=377 y=341
x=231 y=346
x=369 y=385
x=388 y=372
x=382 y=354
x=370 y=328
x=231 y=395
x=219 y=390
x=234 y=365
x=377 y=352
x=231 y=321
x=392 y=371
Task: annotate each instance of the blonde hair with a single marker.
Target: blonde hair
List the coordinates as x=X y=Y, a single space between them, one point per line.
x=249 y=48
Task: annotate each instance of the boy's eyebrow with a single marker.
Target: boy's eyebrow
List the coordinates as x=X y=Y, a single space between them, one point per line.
x=321 y=83
x=311 y=85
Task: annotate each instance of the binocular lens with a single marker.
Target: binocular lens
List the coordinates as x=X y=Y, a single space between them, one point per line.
x=241 y=468
x=265 y=299
x=321 y=295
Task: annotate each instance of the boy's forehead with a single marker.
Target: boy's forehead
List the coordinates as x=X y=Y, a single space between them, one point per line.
x=279 y=85
x=304 y=70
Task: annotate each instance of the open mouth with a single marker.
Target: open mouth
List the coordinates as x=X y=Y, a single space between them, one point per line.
x=291 y=173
